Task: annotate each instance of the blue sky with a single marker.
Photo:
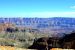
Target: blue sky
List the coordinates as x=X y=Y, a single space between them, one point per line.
x=37 y=8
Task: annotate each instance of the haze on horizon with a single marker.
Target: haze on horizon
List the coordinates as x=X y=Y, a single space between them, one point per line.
x=37 y=8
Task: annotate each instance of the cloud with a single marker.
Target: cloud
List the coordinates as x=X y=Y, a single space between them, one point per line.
x=42 y=14
x=52 y=14
x=73 y=7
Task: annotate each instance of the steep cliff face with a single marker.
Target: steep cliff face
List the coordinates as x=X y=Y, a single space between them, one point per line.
x=46 y=25
x=3 y=26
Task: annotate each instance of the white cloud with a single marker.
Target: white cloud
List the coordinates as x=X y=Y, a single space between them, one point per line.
x=52 y=14
x=42 y=14
x=73 y=7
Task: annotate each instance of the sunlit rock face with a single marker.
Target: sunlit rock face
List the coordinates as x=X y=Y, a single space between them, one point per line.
x=45 y=25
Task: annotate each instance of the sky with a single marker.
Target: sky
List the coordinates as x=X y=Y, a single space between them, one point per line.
x=37 y=8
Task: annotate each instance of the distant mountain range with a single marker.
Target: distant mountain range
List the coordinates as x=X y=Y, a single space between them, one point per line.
x=58 y=24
